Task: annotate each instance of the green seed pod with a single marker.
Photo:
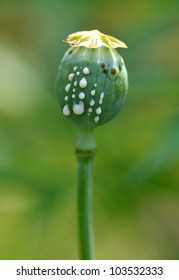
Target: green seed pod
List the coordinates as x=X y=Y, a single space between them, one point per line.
x=92 y=79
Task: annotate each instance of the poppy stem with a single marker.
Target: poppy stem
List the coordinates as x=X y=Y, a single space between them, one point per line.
x=85 y=153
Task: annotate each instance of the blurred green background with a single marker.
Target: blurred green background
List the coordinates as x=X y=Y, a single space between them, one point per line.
x=136 y=169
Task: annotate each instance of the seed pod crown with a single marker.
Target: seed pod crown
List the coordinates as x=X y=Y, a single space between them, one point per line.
x=92 y=79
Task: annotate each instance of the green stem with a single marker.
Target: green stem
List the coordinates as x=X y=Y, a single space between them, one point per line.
x=85 y=153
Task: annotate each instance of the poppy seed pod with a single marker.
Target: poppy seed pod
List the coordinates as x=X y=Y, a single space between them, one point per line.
x=92 y=79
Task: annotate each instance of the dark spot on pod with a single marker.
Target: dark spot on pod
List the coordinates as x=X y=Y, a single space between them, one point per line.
x=113 y=71
x=102 y=65
x=120 y=67
x=105 y=71
x=70 y=52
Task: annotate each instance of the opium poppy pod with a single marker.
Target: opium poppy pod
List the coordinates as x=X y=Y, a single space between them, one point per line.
x=91 y=87
x=92 y=79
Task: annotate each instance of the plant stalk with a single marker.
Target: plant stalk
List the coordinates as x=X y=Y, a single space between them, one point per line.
x=85 y=153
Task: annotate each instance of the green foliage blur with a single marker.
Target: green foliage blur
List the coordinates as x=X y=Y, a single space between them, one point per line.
x=136 y=168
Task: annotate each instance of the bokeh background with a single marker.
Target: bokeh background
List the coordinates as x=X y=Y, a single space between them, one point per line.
x=136 y=169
